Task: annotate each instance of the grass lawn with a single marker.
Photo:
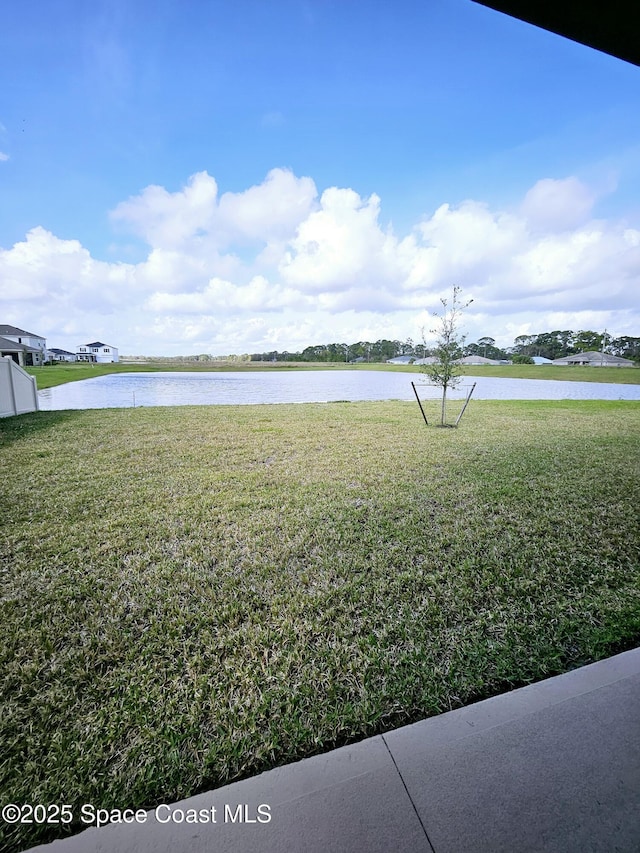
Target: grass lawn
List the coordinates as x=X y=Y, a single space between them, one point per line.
x=51 y=375
x=192 y=595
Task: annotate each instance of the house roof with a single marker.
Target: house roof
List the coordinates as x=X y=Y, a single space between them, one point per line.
x=97 y=344
x=476 y=359
x=7 y=345
x=14 y=330
x=60 y=351
x=593 y=357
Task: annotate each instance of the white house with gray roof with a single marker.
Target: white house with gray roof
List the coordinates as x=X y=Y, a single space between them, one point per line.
x=595 y=359
x=57 y=354
x=25 y=348
x=97 y=352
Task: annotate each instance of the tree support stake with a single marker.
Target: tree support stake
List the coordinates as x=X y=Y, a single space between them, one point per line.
x=466 y=403
x=420 y=404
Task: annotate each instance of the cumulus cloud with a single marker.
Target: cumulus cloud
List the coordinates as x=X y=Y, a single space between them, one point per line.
x=63 y=272
x=196 y=218
x=340 y=246
x=3 y=157
x=270 y=210
x=168 y=220
x=557 y=204
x=220 y=296
x=277 y=266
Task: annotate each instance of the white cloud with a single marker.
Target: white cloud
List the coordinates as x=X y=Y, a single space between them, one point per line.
x=194 y=218
x=3 y=157
x=55 y=279
x=220 y=296
x=275 y=266
x=556 y=205
x=340 y=246
x=268 y=211
x=45 y=265
x=168 y=220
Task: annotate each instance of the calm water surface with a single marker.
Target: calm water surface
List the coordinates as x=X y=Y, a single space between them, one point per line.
x=120 y=390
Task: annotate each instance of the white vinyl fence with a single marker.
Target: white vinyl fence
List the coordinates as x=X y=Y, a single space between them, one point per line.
x=18 y=390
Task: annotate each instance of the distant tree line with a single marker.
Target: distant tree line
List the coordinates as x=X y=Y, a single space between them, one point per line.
x=377 y=351
x=186 y=359
x=556 y=344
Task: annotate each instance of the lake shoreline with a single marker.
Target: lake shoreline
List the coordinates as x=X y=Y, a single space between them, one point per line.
x=183 y=388
x=52 y=375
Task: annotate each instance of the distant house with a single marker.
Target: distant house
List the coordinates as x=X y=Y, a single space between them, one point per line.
x=97 y=352
x=540 y=359
x=25 y=348
x=477 y=360
x=402 y=359
x=20 y=353
x=55 y=354
x=594 y=359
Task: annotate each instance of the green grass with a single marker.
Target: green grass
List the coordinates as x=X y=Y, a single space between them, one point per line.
x=58 y=374
x=193 y=595
x=624 y=375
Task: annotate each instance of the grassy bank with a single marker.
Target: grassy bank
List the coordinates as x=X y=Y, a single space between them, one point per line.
x=58 y=374
x=194 y=595
x=624 y=375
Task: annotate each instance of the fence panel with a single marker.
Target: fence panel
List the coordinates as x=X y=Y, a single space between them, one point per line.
x=18 y=390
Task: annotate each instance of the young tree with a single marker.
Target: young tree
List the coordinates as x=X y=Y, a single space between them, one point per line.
x=446 y=371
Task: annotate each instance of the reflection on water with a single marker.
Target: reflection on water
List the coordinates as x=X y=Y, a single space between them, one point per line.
x=120 y=390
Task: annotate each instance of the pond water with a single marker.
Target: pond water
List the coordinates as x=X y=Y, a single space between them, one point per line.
x=120 y=390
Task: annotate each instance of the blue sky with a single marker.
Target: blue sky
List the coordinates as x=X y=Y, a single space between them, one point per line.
x=322 y=171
